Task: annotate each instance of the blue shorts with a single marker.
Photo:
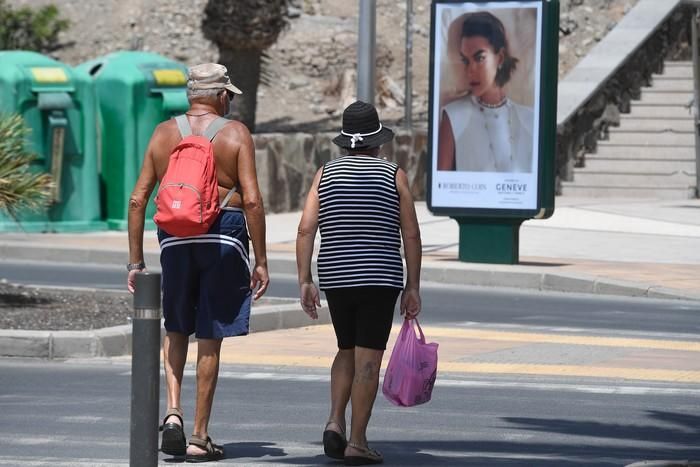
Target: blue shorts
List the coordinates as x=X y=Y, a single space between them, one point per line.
x=206 y=279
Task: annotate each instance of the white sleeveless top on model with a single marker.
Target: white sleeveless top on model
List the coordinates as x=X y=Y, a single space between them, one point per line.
x=359 y=223
x=491 y=139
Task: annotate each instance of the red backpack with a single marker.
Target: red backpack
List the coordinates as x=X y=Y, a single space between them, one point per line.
x=187 y=202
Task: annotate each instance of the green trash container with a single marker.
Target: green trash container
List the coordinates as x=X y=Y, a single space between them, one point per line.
x=135 y=92
x=59 y=107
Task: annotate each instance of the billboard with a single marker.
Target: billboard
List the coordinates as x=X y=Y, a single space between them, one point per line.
x=486 y=105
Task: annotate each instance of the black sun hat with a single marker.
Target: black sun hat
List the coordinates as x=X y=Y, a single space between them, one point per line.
x=362 y=128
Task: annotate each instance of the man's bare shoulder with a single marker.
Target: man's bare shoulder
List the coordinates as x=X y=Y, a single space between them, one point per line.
x=164 y=139
x=166 y=129
x=236 y=131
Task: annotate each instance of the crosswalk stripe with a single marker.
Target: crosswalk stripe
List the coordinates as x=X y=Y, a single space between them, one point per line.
x=646 y=374
x=649 y=374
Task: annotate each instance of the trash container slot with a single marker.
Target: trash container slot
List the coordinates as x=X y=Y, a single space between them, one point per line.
x=54 y=101
x=174 y=100
x=57 y=128
x=95 y=69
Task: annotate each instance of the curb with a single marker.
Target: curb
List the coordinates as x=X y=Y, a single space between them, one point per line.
x=532 y=279
x=472 y=274
x=683 y=463
x=116 y=341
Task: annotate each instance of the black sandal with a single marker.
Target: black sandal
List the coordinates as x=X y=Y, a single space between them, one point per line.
x=369 y=456
x=213 y=451
x=333 y=442
x=174 y=441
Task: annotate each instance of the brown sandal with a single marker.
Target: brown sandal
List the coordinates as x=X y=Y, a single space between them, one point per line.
x=173 y=441
x=213 y=451
x=369 y=456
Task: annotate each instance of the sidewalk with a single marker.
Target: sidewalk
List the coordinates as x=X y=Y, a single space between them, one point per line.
x=643 y=248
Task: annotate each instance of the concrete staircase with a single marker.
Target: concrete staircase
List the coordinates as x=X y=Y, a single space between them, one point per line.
x=652 y=153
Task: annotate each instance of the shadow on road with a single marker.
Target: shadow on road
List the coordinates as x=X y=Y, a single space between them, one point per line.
x=686 y=434
x=669 y=442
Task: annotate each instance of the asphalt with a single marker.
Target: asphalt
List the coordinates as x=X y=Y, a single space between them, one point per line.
x=622 y=247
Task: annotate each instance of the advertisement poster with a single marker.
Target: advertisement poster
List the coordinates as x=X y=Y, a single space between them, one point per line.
x=485 y=109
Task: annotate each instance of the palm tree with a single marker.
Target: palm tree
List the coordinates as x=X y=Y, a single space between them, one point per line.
x=19 y=187
x=243 y=30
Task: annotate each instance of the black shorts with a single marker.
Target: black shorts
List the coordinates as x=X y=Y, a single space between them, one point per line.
x=362 y=316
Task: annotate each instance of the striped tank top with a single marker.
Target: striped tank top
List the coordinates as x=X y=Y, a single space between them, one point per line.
x=360 y=224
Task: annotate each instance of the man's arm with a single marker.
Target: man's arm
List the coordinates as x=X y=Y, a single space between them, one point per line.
x=253 y=208
x=137 y=210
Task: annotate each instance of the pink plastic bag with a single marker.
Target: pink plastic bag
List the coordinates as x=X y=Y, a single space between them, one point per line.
x=410 y=374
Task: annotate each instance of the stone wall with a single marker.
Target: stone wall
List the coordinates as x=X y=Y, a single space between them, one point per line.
x=581 y=133
x=287 y=163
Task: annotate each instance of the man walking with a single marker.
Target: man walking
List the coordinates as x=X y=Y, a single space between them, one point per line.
x=208 y=281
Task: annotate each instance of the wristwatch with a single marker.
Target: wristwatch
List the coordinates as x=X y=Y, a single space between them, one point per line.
x=136 y=266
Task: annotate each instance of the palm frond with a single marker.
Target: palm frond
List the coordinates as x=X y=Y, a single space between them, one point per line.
x=245 y=24
x=20 y=187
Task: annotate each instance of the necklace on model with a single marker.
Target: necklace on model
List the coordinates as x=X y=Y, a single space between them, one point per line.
x=488 y=128
x=492 y=106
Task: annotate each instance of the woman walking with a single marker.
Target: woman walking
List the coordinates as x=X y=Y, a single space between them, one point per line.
x=364 y=209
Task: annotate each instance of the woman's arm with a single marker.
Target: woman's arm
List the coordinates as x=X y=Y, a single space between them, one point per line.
x=410 y=233
x=446 y=145
x=306 y=234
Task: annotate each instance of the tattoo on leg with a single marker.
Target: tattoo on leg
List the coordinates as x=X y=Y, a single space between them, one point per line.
x=366 y=374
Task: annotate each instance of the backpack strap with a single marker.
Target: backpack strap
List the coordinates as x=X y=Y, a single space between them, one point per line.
x=210 y=133
x=214 y=127
x=183 y=125
x=224 y=202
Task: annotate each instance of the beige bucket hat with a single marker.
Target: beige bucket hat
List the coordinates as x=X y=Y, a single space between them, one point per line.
x=210 y=76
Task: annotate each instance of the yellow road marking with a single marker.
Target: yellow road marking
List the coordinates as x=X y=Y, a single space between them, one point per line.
x=529 y=337
x=313 y=347
x=647 y=374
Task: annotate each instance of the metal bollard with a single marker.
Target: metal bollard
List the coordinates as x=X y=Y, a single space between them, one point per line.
x=145 y=371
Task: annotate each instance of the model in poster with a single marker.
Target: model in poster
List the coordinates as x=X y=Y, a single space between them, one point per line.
x=485 y=131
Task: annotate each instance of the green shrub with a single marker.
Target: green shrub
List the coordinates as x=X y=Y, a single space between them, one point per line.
x=29 y=29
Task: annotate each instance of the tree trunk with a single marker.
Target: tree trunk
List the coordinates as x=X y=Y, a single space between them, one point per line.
x=244 y=70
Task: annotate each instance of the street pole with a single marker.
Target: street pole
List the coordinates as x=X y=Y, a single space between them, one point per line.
x=696 y=101
x=366 y=51
x=408 y=88
x=145 y=371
